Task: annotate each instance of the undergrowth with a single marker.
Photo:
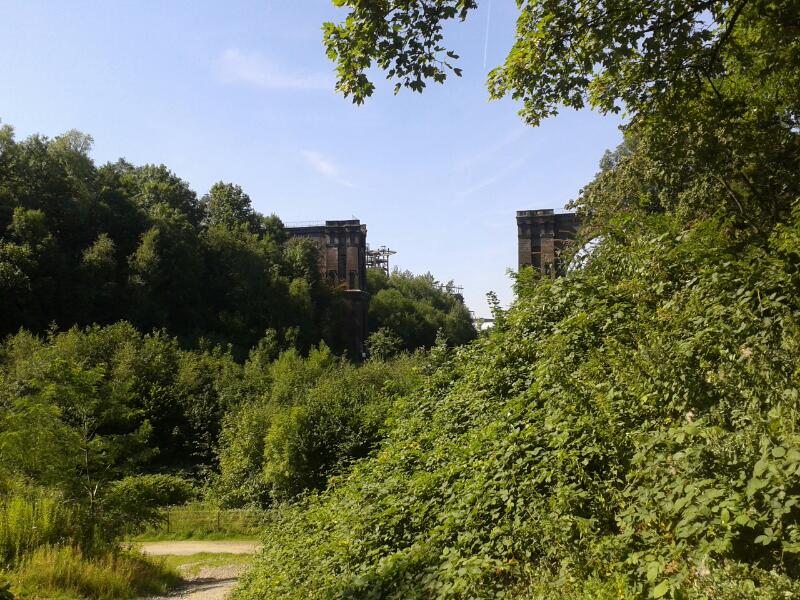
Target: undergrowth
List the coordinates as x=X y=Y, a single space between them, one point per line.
x=64 y=572
x=31 y=520
x=627 y=431
x=198 y=521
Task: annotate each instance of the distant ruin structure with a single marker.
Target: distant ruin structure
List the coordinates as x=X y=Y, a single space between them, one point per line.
x=343 y=262
x=542 y=236
x=378 y=258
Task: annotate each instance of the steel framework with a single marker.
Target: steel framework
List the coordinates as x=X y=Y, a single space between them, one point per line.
x=379 y=258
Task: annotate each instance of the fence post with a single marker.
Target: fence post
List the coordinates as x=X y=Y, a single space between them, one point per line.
x=218 y=513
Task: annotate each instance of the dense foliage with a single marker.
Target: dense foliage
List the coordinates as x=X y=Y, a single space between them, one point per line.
x=625 y=429
x=416 y=308
x=137 y=401
x=97 y=427
x=629 y=430
x=235 y=393
x=82 y=244
x=103 y=427
x=314 y=417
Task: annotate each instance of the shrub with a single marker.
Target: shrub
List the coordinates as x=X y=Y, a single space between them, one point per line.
x=292 y=375
x=308 y=442
x=629 y=430
x=137 y=501
x=383 y=344
x=241 y=456
x=122 y=380
x=322 y=417
x=340 y=419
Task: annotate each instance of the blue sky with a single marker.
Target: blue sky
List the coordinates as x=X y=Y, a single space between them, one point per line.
x=242 y=92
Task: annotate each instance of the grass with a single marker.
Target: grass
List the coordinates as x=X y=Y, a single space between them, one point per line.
x=65 y=573
x=29 y=522
x=190 y=566
x=201 y=522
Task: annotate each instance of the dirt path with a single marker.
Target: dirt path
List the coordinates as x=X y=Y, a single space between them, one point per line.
x=212 y=583
x=202 y=581
x=189 y=547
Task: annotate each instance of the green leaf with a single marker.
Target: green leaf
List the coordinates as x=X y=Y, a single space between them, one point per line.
x=661 y=589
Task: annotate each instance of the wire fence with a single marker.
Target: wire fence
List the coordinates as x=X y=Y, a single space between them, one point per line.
x=192 y=521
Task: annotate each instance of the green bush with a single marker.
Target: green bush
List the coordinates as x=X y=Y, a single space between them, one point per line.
x=339 y=420
x=626 y=431
x=383 y=344
x=291 y=375
x=137 y=501
x=317 y=419
x=123 y=380
x=240 y=481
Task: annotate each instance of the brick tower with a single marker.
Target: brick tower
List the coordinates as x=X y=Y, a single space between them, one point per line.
x=542 y=235
x=343 y=262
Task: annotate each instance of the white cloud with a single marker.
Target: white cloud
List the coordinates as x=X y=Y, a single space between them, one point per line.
x=235 y=66
x=325 y=167
x=320 y=163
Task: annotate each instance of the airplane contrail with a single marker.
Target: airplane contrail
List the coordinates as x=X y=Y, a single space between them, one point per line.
x=486 y=40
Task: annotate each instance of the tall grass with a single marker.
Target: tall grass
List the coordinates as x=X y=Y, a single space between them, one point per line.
x=29 y=522
x=65 y=572
x=38 y=534
x=205 y=522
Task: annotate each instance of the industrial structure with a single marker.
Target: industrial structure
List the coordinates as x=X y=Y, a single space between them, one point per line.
x=542 y=236
x=343 y=262
x=379 y=258
x=343 y=250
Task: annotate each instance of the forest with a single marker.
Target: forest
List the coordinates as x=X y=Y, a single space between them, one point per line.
x=160 y=348
x=84 y=244
x=629 y=430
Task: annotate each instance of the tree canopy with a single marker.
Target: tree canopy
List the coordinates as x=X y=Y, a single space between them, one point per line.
x=711 y=89
x=82 y=244
x=628 y=430
x=633 y=54
x=416 y=308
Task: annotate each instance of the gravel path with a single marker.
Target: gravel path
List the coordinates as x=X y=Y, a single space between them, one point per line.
x=209 y=582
